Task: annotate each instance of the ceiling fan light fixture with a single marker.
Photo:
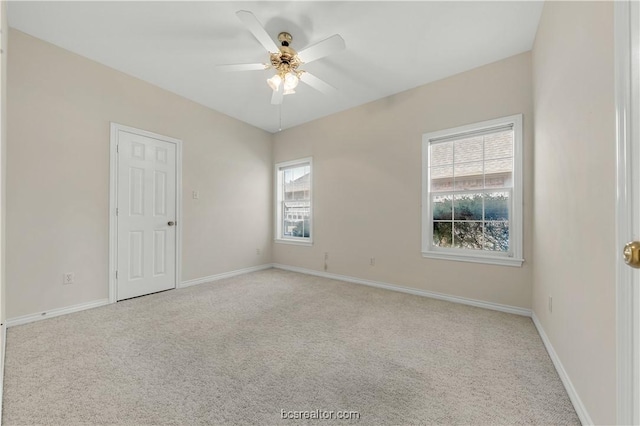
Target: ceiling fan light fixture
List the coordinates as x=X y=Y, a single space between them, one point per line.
x=290 y=81
x=284 y=59
x=274 y=82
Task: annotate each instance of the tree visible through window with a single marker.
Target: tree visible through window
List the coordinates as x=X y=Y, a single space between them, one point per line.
x=470 y=184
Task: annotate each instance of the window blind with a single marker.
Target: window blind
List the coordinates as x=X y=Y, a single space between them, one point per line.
x=471 y=134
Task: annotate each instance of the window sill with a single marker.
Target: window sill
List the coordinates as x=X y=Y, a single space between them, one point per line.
x=489 y=260
x=294 y=242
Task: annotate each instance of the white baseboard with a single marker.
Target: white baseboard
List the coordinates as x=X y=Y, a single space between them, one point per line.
x=583 y=415
x=425 y=293
x=224 y=275
x=25 y=319
x=571 y=391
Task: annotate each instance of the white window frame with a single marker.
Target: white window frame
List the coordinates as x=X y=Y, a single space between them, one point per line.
x=279 y=238
x=514 y=257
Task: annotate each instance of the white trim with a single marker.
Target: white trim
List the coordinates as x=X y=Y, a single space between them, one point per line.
x=113 y=203
x=424 y=293
x=3 y=350
x=277 y=228
x=516 y=209
x=581 y=410
x=627 y=98
x=178 y=212
x=464 y=257
x=293 y=242
x=25 y=319
x=224 y=275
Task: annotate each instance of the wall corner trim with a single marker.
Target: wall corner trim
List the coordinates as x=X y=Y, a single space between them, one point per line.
x=224 y=275
x=424 y=293
x=3 y=349
x=581 y=410
x=26 y=319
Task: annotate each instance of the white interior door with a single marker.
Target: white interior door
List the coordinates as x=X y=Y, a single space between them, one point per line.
x=146 y=215
x=627 y=84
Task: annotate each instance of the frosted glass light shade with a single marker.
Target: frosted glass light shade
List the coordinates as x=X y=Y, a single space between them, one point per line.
x=290 y=81
x=274 y=82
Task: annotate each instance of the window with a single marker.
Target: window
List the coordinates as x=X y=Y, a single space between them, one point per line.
x=293 y=202
x=472 y=193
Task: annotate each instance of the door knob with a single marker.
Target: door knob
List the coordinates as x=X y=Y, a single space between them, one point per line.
x=632 y=254
x=171 y=223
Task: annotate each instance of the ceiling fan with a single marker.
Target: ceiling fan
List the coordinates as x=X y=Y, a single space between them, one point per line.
x=285 y=60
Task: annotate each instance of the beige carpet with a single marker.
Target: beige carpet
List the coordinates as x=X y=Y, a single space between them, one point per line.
x=240 y=350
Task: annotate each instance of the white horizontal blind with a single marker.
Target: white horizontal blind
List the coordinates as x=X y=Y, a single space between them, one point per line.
x=463 y=135
x=470 y=189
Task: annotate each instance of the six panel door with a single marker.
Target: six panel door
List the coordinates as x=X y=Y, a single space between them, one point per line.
x=146 y=215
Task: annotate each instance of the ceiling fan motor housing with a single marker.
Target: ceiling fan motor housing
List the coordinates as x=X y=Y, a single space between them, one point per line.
x=287 y=59
x=285 y=38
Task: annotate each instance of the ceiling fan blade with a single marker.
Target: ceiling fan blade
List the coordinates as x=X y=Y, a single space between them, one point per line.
x=321 y=49
x=258 y=31
x=318 y=84
x=276 y=98
x=242 y=67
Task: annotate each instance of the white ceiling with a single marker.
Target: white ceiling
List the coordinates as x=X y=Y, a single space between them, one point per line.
x=391 y=46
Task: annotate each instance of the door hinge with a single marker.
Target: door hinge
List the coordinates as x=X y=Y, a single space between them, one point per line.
x=116 y=275
x=117 y=149
x=117 y=211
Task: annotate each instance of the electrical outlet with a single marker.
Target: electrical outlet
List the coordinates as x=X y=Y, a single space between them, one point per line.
x=68 y=278
x=195 y=195
x=258 y=252
x=550 y=304
x=372 y=261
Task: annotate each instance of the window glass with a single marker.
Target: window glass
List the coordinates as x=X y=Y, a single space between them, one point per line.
x=294 y=201
x=471 y=190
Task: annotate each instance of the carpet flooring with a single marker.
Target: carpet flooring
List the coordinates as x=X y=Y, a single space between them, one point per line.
x=244 y=349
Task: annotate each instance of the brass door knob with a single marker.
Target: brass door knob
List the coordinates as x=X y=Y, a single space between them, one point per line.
x=632 y=254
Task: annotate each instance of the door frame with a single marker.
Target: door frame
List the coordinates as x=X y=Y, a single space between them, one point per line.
x=113 y=203
x=627 y=104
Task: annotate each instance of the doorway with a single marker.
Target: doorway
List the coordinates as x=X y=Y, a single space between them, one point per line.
x=144 y=213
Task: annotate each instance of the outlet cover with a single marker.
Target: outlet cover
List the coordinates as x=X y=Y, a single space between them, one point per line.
x=68 y=278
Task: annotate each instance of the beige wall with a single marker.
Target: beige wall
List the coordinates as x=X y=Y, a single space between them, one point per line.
x=575 y=191
x=59 y=109
x=4 y=27
x=367 y=183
